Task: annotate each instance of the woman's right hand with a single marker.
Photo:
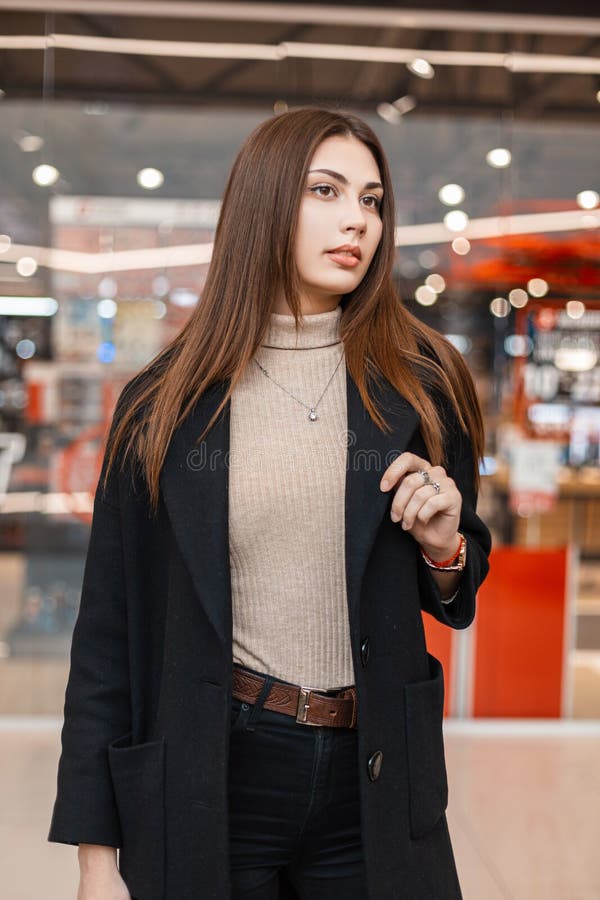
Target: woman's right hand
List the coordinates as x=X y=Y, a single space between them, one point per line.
x=99 y=877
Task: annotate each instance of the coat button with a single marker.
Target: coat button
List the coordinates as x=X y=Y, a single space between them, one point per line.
x=374 y=765
x=364 y=651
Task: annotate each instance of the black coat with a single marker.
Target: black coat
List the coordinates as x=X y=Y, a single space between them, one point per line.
x=147 y=707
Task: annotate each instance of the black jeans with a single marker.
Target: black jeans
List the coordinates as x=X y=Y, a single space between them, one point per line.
x=294 y=806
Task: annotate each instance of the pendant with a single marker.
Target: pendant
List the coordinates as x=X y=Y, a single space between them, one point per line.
x=312 y=415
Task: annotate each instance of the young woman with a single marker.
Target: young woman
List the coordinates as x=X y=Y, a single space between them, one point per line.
x=251 y=709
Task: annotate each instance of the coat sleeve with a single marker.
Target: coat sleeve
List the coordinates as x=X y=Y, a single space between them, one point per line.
x=97 y=705
x=460 y=612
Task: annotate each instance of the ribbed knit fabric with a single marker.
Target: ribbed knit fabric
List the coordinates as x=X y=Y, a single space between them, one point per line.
x=287 y=483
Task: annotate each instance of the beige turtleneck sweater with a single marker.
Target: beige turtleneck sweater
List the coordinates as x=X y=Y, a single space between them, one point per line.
x=287 y=480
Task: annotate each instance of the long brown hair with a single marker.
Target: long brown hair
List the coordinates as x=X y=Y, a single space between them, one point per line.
x=253 y=251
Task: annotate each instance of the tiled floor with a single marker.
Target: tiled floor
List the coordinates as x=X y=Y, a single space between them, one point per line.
x=524 y=815
x=523 y=812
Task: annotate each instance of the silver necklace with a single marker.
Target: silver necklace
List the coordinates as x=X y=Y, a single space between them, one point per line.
x=312 y=415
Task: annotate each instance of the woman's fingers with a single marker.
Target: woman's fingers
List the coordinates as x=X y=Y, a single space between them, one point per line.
x=424 y=504
x=421 y=492
x=413 y=489
x=406 y=462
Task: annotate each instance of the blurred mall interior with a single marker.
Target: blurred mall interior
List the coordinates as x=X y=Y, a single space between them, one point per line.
x=119 y=122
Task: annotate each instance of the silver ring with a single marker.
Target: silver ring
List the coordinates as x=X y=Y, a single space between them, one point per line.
x=436 y=485
x=425 y=474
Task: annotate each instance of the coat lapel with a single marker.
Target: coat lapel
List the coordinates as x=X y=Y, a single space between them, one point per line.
x=194 y=485
x=370 y=452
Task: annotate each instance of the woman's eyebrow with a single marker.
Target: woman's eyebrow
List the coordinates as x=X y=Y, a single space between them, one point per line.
x=343 y=179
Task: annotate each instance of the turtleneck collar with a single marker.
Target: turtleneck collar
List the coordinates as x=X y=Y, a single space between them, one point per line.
x=317 y=330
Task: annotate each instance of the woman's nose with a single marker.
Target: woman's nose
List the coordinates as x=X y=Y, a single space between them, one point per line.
x=355 y=219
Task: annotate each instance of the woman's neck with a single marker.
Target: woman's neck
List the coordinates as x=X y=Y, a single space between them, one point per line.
x=308 y=306
x=317 y=330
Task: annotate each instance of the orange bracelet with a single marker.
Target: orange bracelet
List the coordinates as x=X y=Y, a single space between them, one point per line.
x=446 y=562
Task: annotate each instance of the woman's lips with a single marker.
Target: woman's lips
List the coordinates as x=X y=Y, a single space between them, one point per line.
x=344 y=259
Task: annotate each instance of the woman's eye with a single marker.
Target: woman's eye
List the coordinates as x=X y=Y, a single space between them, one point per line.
x=317 y=188
x=321 y=187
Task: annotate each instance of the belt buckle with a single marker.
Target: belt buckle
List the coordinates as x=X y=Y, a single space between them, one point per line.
x=303 y=705
x=352 y=692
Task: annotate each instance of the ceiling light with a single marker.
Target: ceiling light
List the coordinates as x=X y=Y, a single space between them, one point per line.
x=588 y=199
x=575 y=309
x=405 y=104
x=108 y=287
x=537 y=287
x=499 y=158
x=2 y=93
x=5 y=243
x=30 y=143
x=421 y=67
x=461 y=246
x=436 y=283
x=425 y=295
x=589 y=221
x=511 y=61
x=496 y=226
x=456 y=220
x=26 y=266
x=280 y=106
x=28 y=306
x=25 y=348
x=150 y=178
x=518 y=298
x=45 y=175
x=388 y=112
x=393 y=112
x=500 y=307
x=183 y=297
x=451 y=194
x=106 y=309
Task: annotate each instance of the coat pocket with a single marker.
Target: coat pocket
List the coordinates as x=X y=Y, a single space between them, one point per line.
x=428 y=781
x=138 y=776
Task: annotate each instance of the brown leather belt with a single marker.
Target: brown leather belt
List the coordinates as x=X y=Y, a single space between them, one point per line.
x=309 y=707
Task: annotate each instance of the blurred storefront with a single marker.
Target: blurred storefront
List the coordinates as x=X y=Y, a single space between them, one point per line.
x=113 y=159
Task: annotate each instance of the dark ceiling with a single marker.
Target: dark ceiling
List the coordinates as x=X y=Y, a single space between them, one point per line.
x=465 y=90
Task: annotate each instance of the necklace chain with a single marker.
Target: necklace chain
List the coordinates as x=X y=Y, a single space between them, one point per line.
x=312 y=415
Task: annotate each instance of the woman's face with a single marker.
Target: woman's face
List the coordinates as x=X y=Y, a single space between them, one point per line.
x=340 y=206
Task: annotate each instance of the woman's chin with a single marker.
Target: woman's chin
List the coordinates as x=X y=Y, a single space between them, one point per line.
x=342 y=283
